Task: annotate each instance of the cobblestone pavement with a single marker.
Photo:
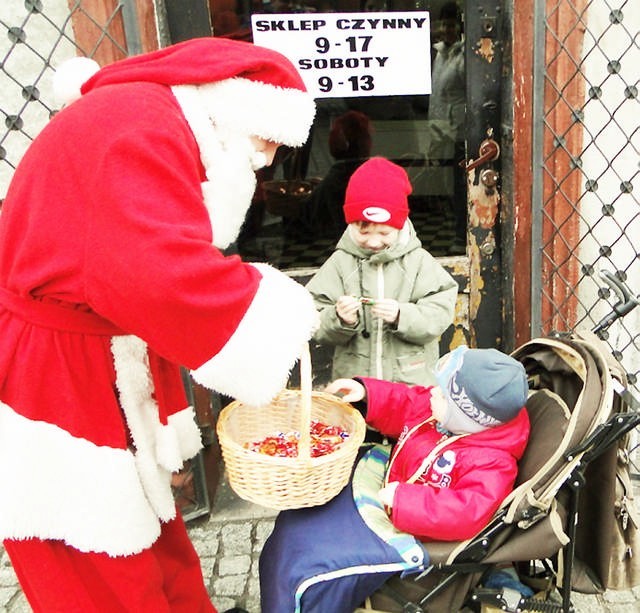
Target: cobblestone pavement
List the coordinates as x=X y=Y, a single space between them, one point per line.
x=229 y=543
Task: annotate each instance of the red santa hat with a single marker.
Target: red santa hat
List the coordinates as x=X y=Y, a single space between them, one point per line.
x=258 y=89
x=228 y=91
x=377 y=192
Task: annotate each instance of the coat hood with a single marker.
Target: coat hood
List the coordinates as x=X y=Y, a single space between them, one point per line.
x=407 y=241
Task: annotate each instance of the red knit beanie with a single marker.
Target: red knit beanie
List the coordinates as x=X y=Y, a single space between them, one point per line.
x=377 y=192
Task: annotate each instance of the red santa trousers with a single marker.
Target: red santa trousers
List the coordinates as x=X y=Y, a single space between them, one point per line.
x=167 y=577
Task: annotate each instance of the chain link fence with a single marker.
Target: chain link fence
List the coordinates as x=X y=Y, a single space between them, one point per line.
x=586 y=169
x=35 y=37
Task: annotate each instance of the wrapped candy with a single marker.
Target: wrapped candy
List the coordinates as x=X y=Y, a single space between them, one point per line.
x=325 y=439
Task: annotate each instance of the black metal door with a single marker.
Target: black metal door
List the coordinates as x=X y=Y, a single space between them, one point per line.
x=484 y=59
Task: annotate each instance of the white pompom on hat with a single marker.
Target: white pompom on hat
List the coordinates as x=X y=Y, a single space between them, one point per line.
x=263 y=93
x=69 y=78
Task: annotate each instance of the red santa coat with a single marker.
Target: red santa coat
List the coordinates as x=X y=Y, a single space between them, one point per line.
x=108 y=282
x=456 y=494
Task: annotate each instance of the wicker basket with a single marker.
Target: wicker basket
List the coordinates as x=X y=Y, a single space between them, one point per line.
x=285 y=198
x=288 y=483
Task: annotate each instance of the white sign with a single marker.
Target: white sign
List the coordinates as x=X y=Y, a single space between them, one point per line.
x=341 y=55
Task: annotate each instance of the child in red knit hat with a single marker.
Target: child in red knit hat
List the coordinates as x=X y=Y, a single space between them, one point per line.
x=383 y=299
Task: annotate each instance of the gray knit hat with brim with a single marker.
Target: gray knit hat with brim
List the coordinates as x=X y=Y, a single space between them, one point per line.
x=487 y=386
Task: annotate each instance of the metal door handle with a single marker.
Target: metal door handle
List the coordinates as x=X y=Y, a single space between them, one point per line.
x=488 y=151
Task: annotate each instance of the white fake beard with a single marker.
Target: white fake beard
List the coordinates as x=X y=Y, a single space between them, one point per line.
x=230 y=187
x=230 y=161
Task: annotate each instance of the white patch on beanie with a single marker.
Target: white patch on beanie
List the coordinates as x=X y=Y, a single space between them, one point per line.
x=463 y=416
x=376 y=214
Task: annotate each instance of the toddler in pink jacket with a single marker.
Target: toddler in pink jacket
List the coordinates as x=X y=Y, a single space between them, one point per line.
x=458 y=443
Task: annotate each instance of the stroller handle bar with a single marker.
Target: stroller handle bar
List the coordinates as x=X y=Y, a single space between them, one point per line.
x=626 y=301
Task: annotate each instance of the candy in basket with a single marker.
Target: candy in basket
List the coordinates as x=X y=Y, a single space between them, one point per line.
x=309 y=465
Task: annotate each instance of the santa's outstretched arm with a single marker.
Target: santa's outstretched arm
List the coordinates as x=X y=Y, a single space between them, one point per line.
x=255 y=362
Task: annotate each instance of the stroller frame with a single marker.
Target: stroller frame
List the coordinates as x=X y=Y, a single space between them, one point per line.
x=454 y=562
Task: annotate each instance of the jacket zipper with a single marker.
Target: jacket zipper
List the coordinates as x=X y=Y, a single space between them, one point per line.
x=380 y=324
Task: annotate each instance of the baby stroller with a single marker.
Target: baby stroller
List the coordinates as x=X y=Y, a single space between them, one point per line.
x=556 y=527
x=569 y=522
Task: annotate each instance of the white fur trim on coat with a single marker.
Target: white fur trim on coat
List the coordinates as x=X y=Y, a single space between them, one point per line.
x=281 y=115
x=158 y=450
x=185 y=437
x=64 y=488
x=255 y=363
x=227 y=159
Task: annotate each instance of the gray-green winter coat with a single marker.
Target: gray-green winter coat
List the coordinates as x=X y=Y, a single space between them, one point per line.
x=409 y=274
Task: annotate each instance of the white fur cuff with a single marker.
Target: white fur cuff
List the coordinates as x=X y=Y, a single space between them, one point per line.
x=255 y=363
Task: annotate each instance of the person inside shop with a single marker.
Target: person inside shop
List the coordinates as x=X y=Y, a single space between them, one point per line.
x=457 y=451
x=112 y=278
x=321 y=216
x=447 y=104
x=383 y=299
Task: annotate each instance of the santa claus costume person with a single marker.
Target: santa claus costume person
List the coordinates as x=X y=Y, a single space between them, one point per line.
x=111 y=278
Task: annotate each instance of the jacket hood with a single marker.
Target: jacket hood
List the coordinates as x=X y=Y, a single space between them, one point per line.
x=407 y=241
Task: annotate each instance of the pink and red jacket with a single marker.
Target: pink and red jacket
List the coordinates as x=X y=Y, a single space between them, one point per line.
x=456 y=492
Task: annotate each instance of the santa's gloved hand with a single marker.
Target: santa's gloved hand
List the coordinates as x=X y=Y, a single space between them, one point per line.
x=387 y=493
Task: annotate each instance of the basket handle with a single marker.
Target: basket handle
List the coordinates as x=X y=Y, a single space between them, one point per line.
x=304 y=444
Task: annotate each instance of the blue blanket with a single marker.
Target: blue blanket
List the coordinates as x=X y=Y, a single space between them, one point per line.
x=328 y=559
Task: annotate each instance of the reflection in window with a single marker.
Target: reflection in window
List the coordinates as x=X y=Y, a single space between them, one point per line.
x=296 y=216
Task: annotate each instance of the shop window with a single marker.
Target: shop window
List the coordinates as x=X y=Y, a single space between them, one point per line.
x=296 y=217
